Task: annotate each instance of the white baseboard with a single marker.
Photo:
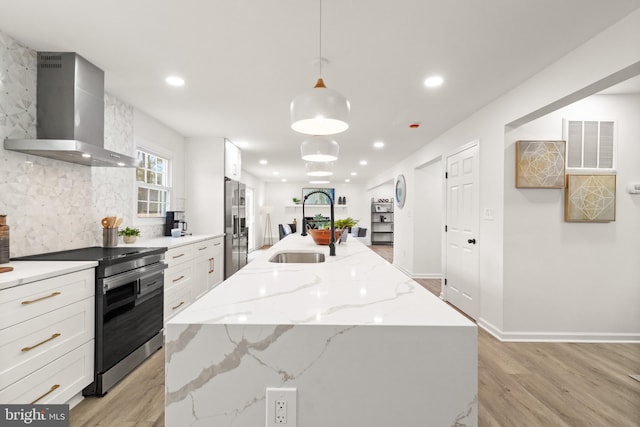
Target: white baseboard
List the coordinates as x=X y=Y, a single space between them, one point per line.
x=427 y=276
x=404 y=270
x=578 y=337
x=417 y=276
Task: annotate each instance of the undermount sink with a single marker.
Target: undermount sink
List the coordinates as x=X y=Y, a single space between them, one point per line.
x=297 y=257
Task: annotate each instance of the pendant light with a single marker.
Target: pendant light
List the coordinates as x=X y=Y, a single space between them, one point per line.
x=319 y=149
x=320 y=111
x=320 y=168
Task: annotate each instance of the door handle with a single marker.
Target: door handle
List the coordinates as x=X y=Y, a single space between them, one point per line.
x=472 y=241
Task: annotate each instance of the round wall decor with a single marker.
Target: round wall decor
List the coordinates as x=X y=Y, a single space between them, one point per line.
x=401 y=191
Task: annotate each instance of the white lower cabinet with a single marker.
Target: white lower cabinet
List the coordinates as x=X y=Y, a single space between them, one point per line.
x=176 y=299
x=29 y=345
x=47 y=339
x=208 y=266
x=56 y=382
x=193 y=270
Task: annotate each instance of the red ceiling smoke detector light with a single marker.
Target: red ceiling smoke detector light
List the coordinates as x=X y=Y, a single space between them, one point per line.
x=414 y=125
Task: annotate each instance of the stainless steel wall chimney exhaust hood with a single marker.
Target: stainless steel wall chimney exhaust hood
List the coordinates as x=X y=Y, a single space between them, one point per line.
x=70 y=114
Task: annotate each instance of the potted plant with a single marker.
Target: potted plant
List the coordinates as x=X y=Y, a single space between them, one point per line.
x=129 y=235
x=345 y=224
x=296 y=200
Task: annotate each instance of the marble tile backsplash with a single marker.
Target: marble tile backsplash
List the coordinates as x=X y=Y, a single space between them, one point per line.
x=53 y=205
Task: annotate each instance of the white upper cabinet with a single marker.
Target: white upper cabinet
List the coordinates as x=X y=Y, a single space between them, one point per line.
x=232 y=161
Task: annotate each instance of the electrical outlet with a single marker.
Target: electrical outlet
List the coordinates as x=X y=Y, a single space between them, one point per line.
x=281 y=407
x=281 y=411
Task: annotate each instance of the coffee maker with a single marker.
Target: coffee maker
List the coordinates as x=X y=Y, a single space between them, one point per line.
x=175 y=219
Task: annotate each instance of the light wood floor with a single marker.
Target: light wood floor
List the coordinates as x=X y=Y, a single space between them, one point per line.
x=519 y=385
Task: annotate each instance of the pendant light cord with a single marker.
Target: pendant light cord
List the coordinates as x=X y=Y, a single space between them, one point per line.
x=320 y=41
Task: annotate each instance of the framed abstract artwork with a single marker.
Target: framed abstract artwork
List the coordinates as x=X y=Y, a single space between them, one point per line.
x=318 y=198
x=540 y=164
x=590 y=198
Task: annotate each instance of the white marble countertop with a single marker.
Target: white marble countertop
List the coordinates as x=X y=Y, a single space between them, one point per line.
x=173 y=242
x=355 y=287
x=31 y=271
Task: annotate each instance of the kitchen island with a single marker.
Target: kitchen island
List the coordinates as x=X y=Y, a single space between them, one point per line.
x=363 y=344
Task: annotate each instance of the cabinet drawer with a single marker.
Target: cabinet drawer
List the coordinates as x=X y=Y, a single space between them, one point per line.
x=177 y=275
x=33 y=299
x=175 y=256
x=177 y=300
x=56 y=382
x=29 y=345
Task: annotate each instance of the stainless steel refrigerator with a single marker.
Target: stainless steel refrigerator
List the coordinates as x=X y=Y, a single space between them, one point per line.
x=236 y=242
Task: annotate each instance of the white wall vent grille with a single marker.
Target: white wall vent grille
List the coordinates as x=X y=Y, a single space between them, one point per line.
x=590 y=144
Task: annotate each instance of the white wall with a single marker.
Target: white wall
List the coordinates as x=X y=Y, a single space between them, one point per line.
x=427 y=221
x=204 y=181
x=601 y=57
x=278 y=195
x=584 y=276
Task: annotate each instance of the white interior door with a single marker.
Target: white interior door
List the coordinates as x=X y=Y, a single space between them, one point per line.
x=462 y=223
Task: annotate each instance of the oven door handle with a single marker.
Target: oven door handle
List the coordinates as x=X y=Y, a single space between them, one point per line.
x=113 y=282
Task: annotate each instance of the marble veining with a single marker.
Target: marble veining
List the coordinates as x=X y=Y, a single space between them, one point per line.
x=467 y=417
x=353 y=335
x=354 y=287
x=231 y=360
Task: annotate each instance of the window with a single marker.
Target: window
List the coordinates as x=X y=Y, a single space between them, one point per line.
x=153 y=185
x=590 y=144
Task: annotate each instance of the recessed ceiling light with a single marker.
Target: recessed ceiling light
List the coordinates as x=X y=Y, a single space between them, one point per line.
x=284 y=180
x=174 y=81
x=378 y=144
x=263 y=162
x=317 y=181
x=354 y=173
x=433 y=81
x=276 y=173
x=363 y=162
x=347 y=180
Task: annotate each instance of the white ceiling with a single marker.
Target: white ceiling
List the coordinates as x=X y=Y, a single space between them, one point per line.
x=244 y=60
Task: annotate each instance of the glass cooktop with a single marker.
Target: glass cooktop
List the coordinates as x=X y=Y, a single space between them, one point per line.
x=94 y=253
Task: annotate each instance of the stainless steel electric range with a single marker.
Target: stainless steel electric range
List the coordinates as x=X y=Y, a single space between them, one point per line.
x=129 y=308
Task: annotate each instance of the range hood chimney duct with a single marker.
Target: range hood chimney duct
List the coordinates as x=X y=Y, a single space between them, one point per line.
x=70 y=114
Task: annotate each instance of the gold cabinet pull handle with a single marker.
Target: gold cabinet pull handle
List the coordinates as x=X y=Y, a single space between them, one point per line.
x=179 y=278
x=203 y=248
x=53 y=337
x=217 y=244
x=178 y=256
x=181 y=302
x=41 y=298
x=211 y=265
x=53 y=387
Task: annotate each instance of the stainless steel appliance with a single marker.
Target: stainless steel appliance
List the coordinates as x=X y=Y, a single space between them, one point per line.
x=129 y=308
x=175 y=219
x=236 y=232
x=70 y=113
